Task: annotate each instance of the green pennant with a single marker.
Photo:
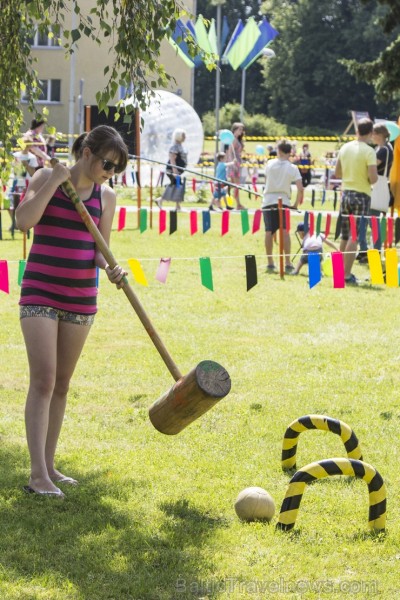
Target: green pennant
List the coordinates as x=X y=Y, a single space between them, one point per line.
x=383 y=229
x=143 y=220
x=245 y=221
x=21 y=270
x=318 y=226
x=206 y=273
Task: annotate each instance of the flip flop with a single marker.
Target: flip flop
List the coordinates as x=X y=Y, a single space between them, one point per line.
x=28 y=490
x=68 y=480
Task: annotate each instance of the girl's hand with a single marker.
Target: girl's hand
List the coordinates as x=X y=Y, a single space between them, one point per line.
x=116 y=275
x=60 y=173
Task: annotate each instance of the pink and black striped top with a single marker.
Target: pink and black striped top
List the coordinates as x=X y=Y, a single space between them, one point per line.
x=60 y=270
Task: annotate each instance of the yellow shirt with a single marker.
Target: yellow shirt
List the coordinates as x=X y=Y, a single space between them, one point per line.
x=355 y=158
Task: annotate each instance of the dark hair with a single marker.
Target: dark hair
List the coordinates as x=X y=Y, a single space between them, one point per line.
x=102 y=139
x=364 y=126
x=381 y=129
x=300 y=227
x=35 y=123
x=284 y=146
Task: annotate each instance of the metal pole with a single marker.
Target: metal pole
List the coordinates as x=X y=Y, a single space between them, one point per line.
x=217 y=82
x=242 y=95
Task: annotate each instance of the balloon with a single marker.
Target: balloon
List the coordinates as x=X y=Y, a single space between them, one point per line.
x=393 y=129
x=260 y=150
x=226 y=136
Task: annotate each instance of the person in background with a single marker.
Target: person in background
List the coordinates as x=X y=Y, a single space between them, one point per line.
x=356 y=167
x=220 y=188
x=234 y=156
x=305 y=165
x=310 y=244
x=175 y=167
x=36 y=142
x=58 y=299
x=280 y=173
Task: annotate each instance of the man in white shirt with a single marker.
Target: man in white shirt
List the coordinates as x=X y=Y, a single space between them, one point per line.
x=280 y=173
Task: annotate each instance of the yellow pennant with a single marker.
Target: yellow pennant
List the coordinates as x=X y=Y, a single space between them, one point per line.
x=392 y=273
x=375 y=267
x=137 y=271
x=229 y=201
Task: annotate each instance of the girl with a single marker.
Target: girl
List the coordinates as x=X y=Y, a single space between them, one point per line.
x=234 y=155
x=58 y=292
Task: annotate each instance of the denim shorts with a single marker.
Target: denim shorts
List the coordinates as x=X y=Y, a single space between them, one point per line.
x=56 y=314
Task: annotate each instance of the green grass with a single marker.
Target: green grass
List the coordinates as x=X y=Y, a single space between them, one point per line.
x=153 y=517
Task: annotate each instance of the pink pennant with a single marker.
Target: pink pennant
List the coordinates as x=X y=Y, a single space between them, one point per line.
x=162 y=222
x=287 y=218
x=338 y=269
x=194 y=185
x=4 y=283
x=390 y=231
x=374 y=229
x=193 y=222
x=257 y=220
x=163 y=269
x=328 y=224
x=225 y=222
x=121 y=218
x=353 y=228
x=311 y=223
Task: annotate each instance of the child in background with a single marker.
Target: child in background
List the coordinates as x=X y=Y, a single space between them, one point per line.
x=221 y=185
x=310 y=244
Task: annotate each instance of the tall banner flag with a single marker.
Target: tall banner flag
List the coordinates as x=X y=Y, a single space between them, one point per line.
x=236 y=32
x=177 y=41
x=267 y=35
x=244 y=44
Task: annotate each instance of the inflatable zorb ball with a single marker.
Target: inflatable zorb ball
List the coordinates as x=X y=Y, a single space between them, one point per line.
x=165 y=113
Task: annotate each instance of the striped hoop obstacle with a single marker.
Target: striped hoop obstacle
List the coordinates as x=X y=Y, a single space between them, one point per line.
x=327 y=468
x=289 y=447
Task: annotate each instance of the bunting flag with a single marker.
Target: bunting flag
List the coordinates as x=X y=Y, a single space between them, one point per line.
x=225 y=222
x=338 y=226
x=375 y=267
x=314 y=268
x=194 y=185
x=163 y=269
x=244 y=44
x=312 y=227
x=244 y=214
x=193 y=222
x=137 y=271
x=206 y=273
x=1 y=228
x=257 y=221
x=328 y=224
x=173 y=221
x=142 y=220
x=374 y=229
x=397 y=231
x=21 y=270
x=383 y=229
x=121 y=218
x=267 y=35
x=392 y=269
x=97 y=277
x=327 y=268
x=362 y=228
x=338 y=269
x=353 y=228
x=389 y=231
x=4 y=283
x=318 y=225
x=306 y=227
x=394 y=175
x=162 y=223
x=312 y=198
x=251 y=271
x=206 y=220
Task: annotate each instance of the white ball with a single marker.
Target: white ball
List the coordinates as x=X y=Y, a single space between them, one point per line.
x=254 y=504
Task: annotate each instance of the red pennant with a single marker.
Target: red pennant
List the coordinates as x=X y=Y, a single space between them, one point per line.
x=338 y=269
x=287 y=218
x=194 y=185
x=162 y=222
x=4 y=283
x=121 y=218
x=311 y=223
x=256 y=220
x=193 y=222
x=353 y=228
x=225 y=222
x=328 y=224
x=374 y=228
x=389 y=231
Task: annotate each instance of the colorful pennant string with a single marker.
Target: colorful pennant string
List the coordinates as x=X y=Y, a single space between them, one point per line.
x=121 y=218
x=206 y=273
x=137 y=271
x=251 y=271
x=163 y=269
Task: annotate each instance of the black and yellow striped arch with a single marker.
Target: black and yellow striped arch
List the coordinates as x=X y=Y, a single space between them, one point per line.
x=327 y=468
x=289 y=446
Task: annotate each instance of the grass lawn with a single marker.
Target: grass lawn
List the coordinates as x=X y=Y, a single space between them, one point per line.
x=153 y=516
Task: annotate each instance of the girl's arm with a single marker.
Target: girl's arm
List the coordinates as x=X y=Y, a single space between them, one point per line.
x=39 y=193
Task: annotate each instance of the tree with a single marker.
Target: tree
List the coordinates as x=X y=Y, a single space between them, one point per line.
x=308 y=85
x=384 y=71
x=137 y=26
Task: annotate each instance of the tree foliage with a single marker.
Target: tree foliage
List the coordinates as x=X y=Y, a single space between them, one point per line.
x=137 y=28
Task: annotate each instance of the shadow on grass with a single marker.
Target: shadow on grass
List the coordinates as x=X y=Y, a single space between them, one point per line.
x=90 y=546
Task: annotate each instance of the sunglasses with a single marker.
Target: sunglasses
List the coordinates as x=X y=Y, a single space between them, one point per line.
x=108 y=165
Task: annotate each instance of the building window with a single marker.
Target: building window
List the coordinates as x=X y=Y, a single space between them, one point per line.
x=44 y=39
x=50 y=91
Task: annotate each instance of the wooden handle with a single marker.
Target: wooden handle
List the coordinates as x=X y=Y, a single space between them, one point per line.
x=133 y=299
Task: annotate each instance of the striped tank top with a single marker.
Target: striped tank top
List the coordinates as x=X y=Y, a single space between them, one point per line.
x=60 y=270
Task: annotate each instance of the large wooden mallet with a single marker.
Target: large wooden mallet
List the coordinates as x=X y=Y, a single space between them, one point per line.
x=193 y=394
